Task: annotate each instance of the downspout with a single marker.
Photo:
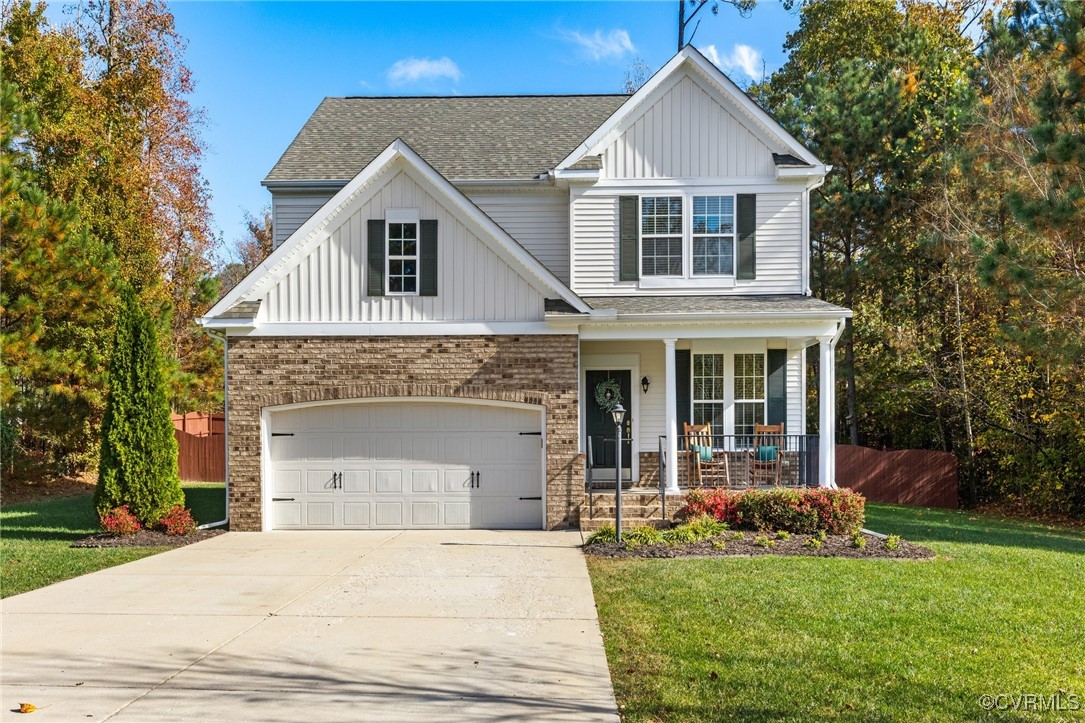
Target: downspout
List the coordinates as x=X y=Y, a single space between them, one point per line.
x=226 y=422
x=840 y=326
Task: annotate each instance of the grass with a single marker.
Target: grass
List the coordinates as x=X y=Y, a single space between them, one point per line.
x=35 y=538
x=1001 y=610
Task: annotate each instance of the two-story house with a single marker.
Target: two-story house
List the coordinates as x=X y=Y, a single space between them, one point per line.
x=463 y=287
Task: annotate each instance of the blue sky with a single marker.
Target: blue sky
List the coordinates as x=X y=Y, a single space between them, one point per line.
x=262 y=67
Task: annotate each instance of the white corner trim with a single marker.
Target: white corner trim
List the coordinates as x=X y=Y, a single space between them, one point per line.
x=597 y=142
x=313 y=231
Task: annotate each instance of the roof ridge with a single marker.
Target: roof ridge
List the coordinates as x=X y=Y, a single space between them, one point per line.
x=470 y=97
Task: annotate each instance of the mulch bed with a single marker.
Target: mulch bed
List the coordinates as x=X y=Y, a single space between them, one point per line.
x=833 y=546
x=146 y=538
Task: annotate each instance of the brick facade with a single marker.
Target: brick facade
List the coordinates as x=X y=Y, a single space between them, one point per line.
x=533 y=369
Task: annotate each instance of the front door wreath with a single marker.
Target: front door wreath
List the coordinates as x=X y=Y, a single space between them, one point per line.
x=608 y=394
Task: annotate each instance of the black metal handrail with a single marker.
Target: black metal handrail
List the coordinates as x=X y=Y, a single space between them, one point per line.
x=663 y=476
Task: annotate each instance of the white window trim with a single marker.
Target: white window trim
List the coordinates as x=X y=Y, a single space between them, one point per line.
x=668 y=279
x=402 y=215
x=764 y=387
x=734 y=235
x=687 y=279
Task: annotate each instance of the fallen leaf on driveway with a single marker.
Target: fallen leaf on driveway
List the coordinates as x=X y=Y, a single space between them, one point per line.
x=27 y=707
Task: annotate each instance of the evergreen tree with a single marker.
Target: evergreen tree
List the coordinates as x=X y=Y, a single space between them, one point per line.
x=138 y=464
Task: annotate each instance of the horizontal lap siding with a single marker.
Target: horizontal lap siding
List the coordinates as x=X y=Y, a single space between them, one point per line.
x=539 y=222
x=291 y=210
x=474 y=284
x=595 y=236
x=652 y=406
x=779 y=245
x=687 y=134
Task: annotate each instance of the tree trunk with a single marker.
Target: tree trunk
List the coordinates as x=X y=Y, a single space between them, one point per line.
x=849 y=371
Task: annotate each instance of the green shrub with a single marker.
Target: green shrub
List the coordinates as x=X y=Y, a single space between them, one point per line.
x=783 y=535
x=644 y=535
x=798 y=511
x=738 y=535
x=812 y=543
x=719 y=544
x=603 y=535
x=892 y=542
x=764 y=541
x=138 y=467
x=695 y=529
x=857 y=540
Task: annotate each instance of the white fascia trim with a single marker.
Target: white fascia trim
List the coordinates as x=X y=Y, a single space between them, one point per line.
x=212 y=324
x=597 y=142
x=418 y=328
x=314 y=230
x=724 y=318
x=793 y=174
x=578 y=175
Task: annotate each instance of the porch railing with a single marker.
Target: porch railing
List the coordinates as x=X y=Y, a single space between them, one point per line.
x=743 y=460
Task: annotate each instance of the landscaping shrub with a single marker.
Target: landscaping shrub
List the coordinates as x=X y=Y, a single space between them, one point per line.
x=119 y=521
x=695 y=529
x=636 y=536
x=798 y=511
x=178 y=521
x=138 y=465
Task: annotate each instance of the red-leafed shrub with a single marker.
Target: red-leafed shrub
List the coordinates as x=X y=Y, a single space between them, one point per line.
x=802 y=511
x=119 y=521
x=178 y=521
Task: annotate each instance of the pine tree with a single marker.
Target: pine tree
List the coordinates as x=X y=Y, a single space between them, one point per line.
x=138 y=465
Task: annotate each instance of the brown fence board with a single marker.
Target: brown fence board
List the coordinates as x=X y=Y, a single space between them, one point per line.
x=201 y=459
x=906 y=477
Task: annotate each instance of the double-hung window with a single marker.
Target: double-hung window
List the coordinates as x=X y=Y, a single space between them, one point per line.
x=708 y=390
x=713 y=235
x=749 y=392
x=687 y=236
x=661 y=236
x=402 y=257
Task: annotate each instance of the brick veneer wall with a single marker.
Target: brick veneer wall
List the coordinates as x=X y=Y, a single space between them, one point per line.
x=535 y=369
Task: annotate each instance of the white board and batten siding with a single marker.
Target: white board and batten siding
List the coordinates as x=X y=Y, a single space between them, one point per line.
x=474 y=284
x=779 y=247
x=687 y=133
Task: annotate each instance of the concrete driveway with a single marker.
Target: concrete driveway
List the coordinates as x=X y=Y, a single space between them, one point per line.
x=331 y=626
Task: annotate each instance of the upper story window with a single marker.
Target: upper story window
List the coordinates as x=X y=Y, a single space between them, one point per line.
x=713 y=235
x=402 y=257
x=661 y=235
x=676 y=236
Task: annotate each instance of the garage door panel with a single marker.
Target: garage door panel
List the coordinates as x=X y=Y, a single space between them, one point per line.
x=356 y=481
x=319 y=481
x=286 y=481
x=355 y=447
x=389 y=481
x=320 y=514
x=388 y=514
x=286 y=514
x=356 y=514
x=407 y=464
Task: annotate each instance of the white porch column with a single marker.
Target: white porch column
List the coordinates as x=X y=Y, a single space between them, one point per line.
x=671 y=421
x=826 y=414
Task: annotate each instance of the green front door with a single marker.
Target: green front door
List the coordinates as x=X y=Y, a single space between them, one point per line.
x=600 y=425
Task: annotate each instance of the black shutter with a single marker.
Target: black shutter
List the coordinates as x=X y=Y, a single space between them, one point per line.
x=628 y=238
x=747 y=235
x=684 y=388
x=777 y=386
x=427 y=285
x=376 y=257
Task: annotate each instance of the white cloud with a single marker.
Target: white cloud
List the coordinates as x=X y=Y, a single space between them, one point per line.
x=612 y=45
x=742 y=57
x=413 y=70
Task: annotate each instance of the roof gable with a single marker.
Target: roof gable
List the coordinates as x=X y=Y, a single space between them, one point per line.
x=689 y=61
x=368 y=182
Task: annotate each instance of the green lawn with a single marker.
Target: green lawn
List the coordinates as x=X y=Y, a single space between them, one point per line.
x=1000 y=611
x=35 y=538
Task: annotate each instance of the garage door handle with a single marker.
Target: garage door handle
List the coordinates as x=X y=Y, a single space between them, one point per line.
x=530 y=434
x=282 y=499
x=530 y=498
x=478 y=480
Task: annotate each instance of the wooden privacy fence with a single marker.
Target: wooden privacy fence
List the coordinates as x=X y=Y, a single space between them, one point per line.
x=905 y=477
x=201 y=446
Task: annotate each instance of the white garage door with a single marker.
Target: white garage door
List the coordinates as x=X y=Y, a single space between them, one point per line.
x=404 y=465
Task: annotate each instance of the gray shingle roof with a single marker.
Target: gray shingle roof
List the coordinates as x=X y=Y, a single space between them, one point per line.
x=665 y=305
x=481 y=137
x=787 y=160
x=242 y=310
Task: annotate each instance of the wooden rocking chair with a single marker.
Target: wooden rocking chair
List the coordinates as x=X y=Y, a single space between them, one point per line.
x=702 y=460
x=766 y=458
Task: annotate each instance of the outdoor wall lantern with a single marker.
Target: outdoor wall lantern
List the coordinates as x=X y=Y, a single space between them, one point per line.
x=644 y=382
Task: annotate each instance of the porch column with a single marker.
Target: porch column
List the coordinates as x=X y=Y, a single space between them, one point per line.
x=671 y=422
x=827 y=414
